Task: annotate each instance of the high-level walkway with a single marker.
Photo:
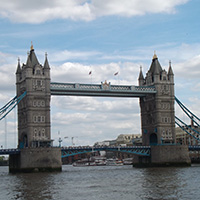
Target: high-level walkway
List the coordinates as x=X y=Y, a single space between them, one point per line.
x=103 y=90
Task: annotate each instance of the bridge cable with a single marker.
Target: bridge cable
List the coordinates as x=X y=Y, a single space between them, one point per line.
x=5 y=110
x=195 y=137
x=191 y=116
x=186 y=110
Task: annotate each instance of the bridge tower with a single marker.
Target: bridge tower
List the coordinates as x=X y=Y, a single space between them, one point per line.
x=158 y=120
x=34 y=129
x=157 y=111
x=34 y=109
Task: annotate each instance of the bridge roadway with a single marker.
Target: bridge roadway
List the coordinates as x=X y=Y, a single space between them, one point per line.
x=71 y=151
x=139 y=150
x=103 y=90
x=9 y=151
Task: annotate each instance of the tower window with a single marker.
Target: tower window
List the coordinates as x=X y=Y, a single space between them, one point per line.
x=43 y=118
x=39 y=83
x=43 y=103
x=38 y=72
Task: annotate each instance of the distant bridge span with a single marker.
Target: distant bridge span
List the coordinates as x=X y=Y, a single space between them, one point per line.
x=138 y=150
x=71 y=151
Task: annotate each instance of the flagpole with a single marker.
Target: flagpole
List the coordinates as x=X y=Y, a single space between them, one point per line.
x=90 y=74
x=118 y=78
x=117 y=74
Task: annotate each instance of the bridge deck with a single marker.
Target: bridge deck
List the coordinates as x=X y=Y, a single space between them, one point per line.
x=139 y=150
x=103 y=90
x=9 y=151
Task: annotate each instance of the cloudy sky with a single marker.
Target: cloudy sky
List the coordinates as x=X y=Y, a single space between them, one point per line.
x=105 y=37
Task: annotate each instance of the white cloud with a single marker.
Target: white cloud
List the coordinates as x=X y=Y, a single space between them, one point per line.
x=7 y=73
x=133 y=7
x=128 y=73
x=189 y=68
x=66 y=55
x=39 y=11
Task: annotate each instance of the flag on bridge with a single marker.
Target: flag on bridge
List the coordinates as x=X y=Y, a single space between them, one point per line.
x=115 y=74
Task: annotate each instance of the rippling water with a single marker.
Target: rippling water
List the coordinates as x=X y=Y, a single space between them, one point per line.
x=103 y=183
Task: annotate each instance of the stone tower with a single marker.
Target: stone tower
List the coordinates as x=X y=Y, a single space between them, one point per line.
x=34 y=109
x=157 y=111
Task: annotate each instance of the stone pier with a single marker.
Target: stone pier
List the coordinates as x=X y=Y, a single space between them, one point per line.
x=165 y=156
x=36 y=160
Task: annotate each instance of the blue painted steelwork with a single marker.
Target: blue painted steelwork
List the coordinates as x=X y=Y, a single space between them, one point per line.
x=142 y=151
x=194 y=148
x=9 y=151
x=10 y=105
x=71 y=151
x=189 y=127
x=139 y=150
x=102 y=90
x=191 y=115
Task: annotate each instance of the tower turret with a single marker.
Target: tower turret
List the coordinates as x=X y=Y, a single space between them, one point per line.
x=46 y=67
x=141 y=77
x=170 y=73
x=18 y=71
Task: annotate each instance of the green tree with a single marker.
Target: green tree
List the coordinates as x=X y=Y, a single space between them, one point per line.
x=1 y=158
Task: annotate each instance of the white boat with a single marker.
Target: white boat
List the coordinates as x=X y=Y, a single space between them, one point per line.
x=128 y=161
x=97 y=162
x=113 y=162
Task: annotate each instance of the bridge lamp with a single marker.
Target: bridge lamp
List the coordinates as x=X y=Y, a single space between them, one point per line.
x=73 y=141
x=60 y=140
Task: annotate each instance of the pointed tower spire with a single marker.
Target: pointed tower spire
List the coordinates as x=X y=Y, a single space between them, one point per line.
x=170 y=71
x=155 y=67
x=155 y=56
x=46 y=68
x=18 y=67
x=28 y=62
x=46 y=63
x=141 y=77
x=33 y=57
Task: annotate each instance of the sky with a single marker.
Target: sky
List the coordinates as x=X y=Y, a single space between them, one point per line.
x=105 y=37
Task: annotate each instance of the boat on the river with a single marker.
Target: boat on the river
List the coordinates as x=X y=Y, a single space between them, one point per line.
x=97 y=162
x=113 y=162
x=94 y=161
x=128 y=161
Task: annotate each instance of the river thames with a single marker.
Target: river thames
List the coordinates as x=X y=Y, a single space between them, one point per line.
x=103 y=183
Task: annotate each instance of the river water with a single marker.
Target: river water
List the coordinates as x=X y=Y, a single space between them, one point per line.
x=103 y=183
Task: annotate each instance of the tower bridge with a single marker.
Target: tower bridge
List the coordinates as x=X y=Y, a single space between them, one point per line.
x=155 y=91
